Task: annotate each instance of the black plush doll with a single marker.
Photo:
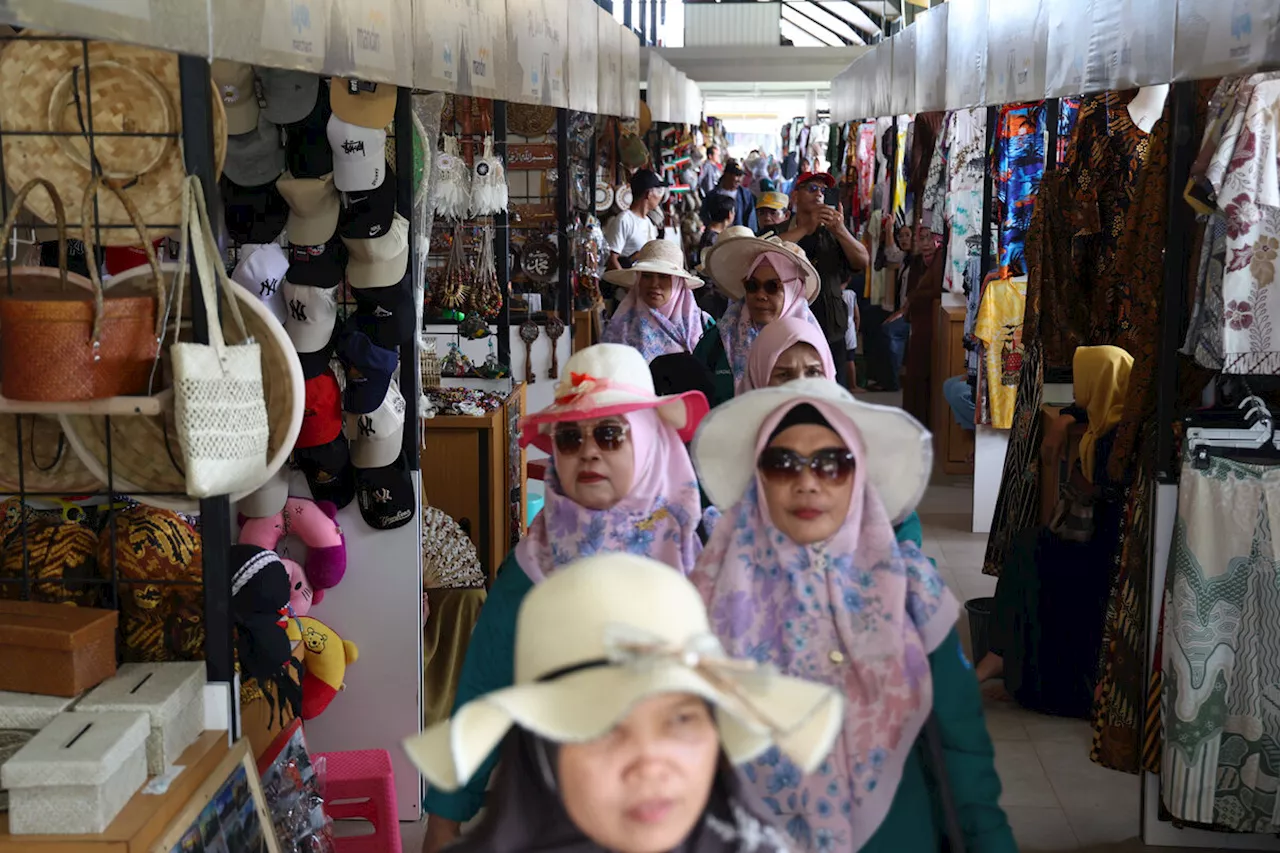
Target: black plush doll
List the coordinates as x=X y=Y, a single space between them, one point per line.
x=260 y=605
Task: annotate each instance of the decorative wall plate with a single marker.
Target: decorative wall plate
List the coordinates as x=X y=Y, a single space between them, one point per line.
x=540 y=259
x=604 y=196
x=622 y=195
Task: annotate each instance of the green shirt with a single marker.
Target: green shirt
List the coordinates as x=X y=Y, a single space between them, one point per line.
x=711 y=352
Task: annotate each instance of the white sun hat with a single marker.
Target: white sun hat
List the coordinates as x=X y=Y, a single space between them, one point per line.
x=605 y=633
x=728 y=261
x=897 y=450
x=610 y=379
x=657 y=256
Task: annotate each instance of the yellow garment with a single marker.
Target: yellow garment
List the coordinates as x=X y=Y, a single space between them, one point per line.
x=999 y=327
x=1100 y=377
x=445 y=639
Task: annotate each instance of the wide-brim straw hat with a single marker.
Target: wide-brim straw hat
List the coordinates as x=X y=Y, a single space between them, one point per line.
x=610 y=379
x=897 y=452
x=602 y=635
x=729 y=259
x=132 y=89
x=657 y=256
x=145 y=455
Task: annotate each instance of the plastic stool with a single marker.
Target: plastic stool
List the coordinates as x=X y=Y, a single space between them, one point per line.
x=366 y=777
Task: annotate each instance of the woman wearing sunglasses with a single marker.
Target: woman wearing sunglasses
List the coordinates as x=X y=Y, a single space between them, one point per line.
x=659 y=315
x=620 y=479
x=785 y=350
x=765 y=279
x=804 y=571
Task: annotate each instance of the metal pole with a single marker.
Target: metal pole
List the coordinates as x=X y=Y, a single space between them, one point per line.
x=653 y=22
x=1052 y=117
x=626 y=13
x=988 y=195
x=409 y=373
x=564 y=212
x=502 y=241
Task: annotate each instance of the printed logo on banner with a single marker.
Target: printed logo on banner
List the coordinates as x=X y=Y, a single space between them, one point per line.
x=1232 y=35
x=296 y=26
x=372 y=34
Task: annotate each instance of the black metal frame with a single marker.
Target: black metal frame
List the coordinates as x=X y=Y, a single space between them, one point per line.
x=502 y=241
x=410 y=376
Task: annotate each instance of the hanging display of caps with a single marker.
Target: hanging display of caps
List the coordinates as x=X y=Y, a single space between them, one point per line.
x=540 y=260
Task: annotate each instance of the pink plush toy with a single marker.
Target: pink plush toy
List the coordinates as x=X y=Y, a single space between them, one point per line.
x=312 y=522
x=301 y=594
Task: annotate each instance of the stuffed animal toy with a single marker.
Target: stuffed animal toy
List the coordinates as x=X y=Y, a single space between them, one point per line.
x=302 y=597
x=260 y=606
x=315 y=524
x=325 y=661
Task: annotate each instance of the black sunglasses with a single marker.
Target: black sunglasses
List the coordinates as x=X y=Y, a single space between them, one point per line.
x=815 y=187
x=609 y=437
x=834 y=465
x=770 y=287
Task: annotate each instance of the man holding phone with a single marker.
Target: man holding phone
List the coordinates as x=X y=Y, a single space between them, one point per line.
x=818 y=227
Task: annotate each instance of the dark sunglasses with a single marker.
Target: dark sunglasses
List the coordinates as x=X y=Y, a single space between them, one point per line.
x=770 y=287
x=814 y=187
x=833 y=465
x=609 y=437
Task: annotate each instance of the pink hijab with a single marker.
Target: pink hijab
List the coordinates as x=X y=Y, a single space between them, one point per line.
x=737 y=330
x=675 y=327
x=658 y=518
x=861 y=612
x=775 y=339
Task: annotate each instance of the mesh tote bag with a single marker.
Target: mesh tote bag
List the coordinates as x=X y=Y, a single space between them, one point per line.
x=219 y=403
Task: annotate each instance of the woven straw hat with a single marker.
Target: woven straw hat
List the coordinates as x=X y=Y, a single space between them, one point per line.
x=145 y=455
x=134 y=90
x=658 y=256
x=48 y=462
x=728 y=261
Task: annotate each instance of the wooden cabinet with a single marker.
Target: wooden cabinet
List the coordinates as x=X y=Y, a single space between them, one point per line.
x=469 y=472
x=952 y=444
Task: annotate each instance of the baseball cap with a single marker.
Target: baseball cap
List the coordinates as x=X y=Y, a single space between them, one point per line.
x=328 y=470
x=321 y=411
x=261 y=271
x=368 y=214
x=119 y=259
x=235 y=85
x=377 y=438
x=313 y=208
x=288 y=96
x=807 y=177
x=306 y=142
x=733 y=168
x=315 y=266
x=644 y=180
x=315 y=363
x=253 y=214
x=363 y=103
x=255 y=157
x=386 y=495
x=369 y=370
x=313 y=311
x=381 y=261
x=359 y=155
x=386 y=314
x=772 y=201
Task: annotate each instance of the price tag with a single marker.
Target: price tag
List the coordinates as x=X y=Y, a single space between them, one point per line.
x=372 y=35
x=296 y=26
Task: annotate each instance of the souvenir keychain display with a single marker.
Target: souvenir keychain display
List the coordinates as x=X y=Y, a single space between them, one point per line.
x=555 y=328
x=492 y=368
x=529 y=333
x=292 y=784
x=453 y=291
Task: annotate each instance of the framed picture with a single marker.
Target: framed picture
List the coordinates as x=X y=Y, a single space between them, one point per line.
x=227 y=814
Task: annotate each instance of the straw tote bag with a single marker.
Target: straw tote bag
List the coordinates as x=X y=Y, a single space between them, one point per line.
x=66 y=344
x=219 y=401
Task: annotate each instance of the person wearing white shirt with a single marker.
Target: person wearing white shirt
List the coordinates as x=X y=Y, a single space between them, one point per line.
x=630 y=230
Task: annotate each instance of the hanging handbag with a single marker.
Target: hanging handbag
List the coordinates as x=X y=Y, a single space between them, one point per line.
x=1072 y=519
x=219 y=404
x=65 y=344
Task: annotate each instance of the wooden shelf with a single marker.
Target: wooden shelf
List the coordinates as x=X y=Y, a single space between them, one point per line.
x=112 y=406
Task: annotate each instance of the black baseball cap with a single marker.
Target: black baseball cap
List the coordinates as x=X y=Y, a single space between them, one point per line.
x=386 y=495
x=329 y=471
x=253 y=214
x=386 y=314
x=732 y=168
x=314 y=266
x=644 y=180
x=306 y=144
x=315 y=363
x=368 y=214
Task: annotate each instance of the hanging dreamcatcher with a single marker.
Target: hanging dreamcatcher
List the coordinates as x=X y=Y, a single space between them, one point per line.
x=451 y=189
x=486 y=295
x=489 y=186
x=453 y=290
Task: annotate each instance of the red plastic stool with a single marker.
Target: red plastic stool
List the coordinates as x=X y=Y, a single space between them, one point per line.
x=365 y=778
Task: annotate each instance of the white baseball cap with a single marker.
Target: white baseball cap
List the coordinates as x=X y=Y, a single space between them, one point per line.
x=313 y=312
x=377 y=438
x=379 y=261
x=359 y=155
x=261 y=272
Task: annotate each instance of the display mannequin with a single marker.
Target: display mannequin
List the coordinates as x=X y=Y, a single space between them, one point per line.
x=1148 y=105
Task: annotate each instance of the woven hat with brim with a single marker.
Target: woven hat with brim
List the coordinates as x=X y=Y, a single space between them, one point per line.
x=610 y=379
x=658 y=256
x=135 y=90
x=602 y=635
x=897 y=450
x=728 y=261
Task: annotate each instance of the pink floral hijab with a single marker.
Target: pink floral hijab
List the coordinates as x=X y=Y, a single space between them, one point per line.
x=658 y=518
x=861 y=612
x=775 y=339
x=675 y=327
x=737 y=330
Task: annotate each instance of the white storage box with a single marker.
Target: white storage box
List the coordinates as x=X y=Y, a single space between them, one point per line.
x=170 y=694
x=29 y=712
x=75 y=776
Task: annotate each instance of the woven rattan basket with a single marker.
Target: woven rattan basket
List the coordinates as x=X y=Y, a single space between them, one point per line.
x=48 y=462
x=145 y=454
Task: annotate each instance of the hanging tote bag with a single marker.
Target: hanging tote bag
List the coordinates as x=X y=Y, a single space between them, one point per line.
x=73 y=343
x=219 y=403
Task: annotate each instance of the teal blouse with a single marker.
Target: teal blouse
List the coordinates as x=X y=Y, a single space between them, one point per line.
x=914 y=821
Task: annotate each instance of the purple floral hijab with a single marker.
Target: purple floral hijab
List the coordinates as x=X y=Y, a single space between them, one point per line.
x=738 y=331
x=658 y=518
x=861 y=612
x=675 y=327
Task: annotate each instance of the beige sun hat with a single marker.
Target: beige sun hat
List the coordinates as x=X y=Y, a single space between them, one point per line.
x=898 y=450
x=657 y=256
x=728 y=261
x=605 y=633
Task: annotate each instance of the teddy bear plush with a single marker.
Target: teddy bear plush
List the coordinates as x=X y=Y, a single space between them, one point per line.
x=325 y=660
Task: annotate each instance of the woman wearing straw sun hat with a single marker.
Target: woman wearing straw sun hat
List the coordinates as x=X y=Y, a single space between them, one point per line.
x=765 y=279
x=623 y=723
x=658 y=316
x=804 y=571
x=620 y=479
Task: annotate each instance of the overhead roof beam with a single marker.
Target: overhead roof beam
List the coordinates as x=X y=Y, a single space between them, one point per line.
x=827 y=37
x=806 y=13
x=832 y=21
